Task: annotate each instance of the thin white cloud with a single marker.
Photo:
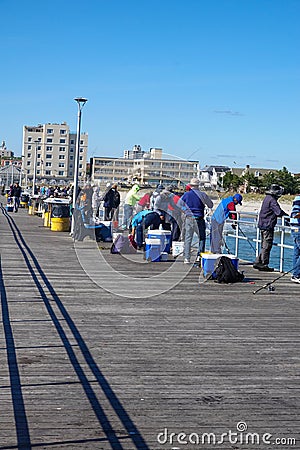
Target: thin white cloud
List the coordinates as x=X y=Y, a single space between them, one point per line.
x=228 y=112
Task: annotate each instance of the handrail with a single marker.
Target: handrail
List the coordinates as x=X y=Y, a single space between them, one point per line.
x=239 y=235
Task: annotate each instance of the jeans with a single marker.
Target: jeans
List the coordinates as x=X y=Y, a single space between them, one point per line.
x=128 y=211
x=216 y=236
x=16 y=203
x=194 y=225
x=296 y=255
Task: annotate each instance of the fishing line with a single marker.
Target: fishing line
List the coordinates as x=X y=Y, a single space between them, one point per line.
x=248 y=240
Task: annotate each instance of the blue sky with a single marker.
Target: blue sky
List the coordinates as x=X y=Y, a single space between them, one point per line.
x=211 y=80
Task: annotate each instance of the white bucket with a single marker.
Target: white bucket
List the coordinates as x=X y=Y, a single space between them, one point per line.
x=177 y=248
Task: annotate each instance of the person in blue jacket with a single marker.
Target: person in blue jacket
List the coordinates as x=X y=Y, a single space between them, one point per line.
x=295 y=231
x=193 y=204
x=141 y=221
x=225 y=209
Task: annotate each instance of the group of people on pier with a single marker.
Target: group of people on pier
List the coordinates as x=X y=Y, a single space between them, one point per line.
x=183 y=214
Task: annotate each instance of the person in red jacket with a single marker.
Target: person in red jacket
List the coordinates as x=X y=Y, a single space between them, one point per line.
x=144 y=202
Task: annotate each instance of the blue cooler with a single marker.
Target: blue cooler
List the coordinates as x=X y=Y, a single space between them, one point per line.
x=152 y=249
x=208 y=262
x=9 y=208
x=165 y=237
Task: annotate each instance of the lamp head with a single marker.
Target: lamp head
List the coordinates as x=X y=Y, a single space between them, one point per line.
x=80 y=100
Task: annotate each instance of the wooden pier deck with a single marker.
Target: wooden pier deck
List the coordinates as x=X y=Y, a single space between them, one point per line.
x=84 y=368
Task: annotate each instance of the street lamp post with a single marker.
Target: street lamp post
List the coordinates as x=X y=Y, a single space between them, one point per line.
x=80 y=102
x=34 y=166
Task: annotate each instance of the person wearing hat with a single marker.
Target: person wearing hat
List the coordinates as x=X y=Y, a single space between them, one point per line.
x=193 y=203
x=267 y=219
x=225 y=209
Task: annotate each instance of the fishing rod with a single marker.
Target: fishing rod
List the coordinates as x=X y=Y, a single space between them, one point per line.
x=248 y=240
x=269 y=285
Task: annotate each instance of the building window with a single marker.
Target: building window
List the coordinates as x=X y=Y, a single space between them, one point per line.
x=49 y=140
x=81 y=150
x=62 y=131
x=28 y=163
x=29 y=147
x=29 y=139
x=61 y=165
x=48 y=164
x=28 y=155
x=71 y=149
x=72 y=142
x=48 y=156
x=71 y=166
x=80 y=166
x=38 y=163
x=61 y=172
x=61 y=157
x=62 y=149
x=49 y=149
x=49 y=130
x=47 y=172
x=38 y=155
x=81 y=158
x=71 y=158
x=62 y=141
x=38 y=172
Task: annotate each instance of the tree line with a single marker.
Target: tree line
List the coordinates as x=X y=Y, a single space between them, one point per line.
x=251 y=183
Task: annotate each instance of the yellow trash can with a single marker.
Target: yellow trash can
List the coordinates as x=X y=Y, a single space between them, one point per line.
x=47 y=221
x=30 y=210
x=60 y=224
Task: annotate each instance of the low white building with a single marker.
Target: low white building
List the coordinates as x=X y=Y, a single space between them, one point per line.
x=150 y=168
x=211 y=176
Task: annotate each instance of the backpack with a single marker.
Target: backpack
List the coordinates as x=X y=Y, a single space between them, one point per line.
x=122 y=245
x=225 y=272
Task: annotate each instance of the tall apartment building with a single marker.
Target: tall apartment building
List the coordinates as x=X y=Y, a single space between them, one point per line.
x=150 y=169
x=54 y=146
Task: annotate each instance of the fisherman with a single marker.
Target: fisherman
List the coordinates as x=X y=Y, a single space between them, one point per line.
x=140 y=222
x=270 y=210
x=130 y=200
x=193 y=203
x=225 y=209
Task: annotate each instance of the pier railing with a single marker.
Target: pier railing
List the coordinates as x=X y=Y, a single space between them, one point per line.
x=247 y=230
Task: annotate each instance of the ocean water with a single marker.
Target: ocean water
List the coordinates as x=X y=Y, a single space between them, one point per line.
x=246 y=249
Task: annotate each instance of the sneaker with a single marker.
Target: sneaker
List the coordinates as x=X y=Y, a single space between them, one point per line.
x=295 y=279
x=186 y=261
